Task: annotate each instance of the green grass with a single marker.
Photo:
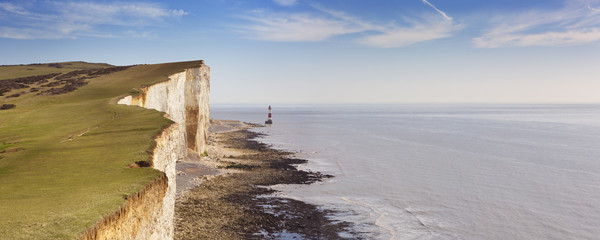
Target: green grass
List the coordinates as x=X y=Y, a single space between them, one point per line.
x=55 y=188
x=4 y=146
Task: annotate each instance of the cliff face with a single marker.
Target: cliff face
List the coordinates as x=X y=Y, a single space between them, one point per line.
x=185 y=100
x=170 y=147
x=133 y=220
x=150 y=214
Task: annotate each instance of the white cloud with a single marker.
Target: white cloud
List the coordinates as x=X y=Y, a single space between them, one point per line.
x=567 y=38
x=9 y=7
x=342 y=16
x=407 y=36
x=62 y=19
x=593 y=9
x=437 y=10
x=286 y=2
x=574 y=24
x=297 y=28
x=327 y=23
x=178 y=12
x=17 y=33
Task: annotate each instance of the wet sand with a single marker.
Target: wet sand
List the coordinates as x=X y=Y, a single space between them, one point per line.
x=237 y=202
x=191 y=174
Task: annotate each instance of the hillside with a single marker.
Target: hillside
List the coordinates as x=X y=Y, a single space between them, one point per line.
x=66 y=148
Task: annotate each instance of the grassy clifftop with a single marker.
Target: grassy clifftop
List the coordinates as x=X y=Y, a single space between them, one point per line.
x=64 y=155
x=15 y=71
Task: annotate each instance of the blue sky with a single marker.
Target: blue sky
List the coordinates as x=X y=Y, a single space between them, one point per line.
x=337 y=51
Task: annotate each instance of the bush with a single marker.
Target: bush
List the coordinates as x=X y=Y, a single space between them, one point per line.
x=7 y=106
x=56 y=65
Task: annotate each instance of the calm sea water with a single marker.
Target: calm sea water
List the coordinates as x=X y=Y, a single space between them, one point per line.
x=446 y=171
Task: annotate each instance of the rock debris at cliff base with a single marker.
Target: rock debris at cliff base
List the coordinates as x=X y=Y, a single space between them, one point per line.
x=237 y=206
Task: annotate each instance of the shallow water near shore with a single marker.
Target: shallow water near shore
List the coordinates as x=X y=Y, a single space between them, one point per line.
x=446 y=171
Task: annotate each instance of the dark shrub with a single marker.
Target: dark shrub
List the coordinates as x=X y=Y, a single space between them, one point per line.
x=7 y=106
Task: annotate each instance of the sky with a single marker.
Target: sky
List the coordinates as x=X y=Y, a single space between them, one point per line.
x=334 y=51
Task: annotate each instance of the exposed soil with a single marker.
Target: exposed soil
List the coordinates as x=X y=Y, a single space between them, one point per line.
x=237 y=205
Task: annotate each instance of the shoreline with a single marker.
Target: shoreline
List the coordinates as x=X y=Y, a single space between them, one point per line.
x=238 y=202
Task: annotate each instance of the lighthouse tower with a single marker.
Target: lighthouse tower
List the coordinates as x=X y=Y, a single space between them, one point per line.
x=269 y=121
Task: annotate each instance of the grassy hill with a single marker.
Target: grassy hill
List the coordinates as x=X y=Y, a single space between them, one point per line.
x=64 y=154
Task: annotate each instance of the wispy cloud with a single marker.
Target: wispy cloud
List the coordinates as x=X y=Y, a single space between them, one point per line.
x=405 y=36
x=574 y=24
x=297 y=28
x=286 y=2
x=62 y=19
x=11 y=8
x=437 y=10
x=593 y=9
x=326 y=23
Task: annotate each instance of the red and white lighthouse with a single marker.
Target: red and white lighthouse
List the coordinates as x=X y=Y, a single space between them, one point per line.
x=269 y=121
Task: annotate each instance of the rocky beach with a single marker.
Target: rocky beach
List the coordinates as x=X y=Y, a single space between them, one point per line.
x=235 y=201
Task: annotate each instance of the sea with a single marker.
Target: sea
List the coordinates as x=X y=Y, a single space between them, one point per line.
x=444 y=171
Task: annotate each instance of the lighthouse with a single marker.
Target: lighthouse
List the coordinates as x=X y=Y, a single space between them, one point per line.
x=269 y=121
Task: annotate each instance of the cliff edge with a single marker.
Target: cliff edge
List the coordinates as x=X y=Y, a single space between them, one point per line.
x=149 y=214
x=185 y=100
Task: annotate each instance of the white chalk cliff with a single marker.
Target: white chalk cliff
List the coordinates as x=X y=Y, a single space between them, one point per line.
x=184 y=98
